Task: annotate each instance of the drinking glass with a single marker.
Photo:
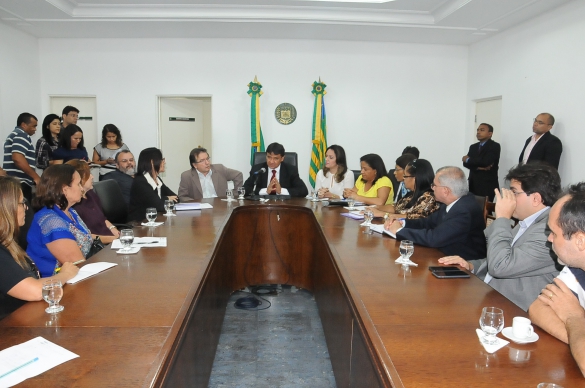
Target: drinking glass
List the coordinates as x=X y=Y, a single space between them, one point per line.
x=491 y=323
x=151 y=215
x=315 y=195
x=368 y=217
x=169 y=206
x=548 y=385
x=126 y=238
x=241 y=192
x=406 y=250
x=52 y=294
x=350 y=203
x=229 y=194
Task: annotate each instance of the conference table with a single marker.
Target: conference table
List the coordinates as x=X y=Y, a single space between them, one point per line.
x=154 y=320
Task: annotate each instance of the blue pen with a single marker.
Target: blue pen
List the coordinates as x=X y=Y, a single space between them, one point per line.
x=19 y=367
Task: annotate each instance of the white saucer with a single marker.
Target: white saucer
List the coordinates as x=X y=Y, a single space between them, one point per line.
x=509 y=333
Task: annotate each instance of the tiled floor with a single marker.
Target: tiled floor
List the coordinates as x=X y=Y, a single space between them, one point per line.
x=283 y=346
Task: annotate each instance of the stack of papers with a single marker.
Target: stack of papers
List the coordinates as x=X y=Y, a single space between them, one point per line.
x=89 y=270
x=142 y=242
x=192 y=206
x=29 y=359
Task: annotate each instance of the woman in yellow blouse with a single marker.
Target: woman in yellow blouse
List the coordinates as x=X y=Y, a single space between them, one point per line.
x=373 y=187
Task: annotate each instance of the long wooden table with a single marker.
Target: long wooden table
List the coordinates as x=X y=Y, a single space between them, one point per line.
x=154 y=319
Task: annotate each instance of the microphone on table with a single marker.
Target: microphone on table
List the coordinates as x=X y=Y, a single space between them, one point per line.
x=257 y=175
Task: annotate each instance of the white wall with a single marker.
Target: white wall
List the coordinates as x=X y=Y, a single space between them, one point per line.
x=537 y=67
x=19 y=78
x=381 y=96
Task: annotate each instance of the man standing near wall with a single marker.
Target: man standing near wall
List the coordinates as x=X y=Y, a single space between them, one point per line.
x=69 y=116
x=482 y=160
x=19 y=153
x=543 y=145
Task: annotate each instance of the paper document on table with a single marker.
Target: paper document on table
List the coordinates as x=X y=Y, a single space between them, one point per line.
x=142 y=242
x=89 y=270
x=378 y=228
x=29 y=359
x=192 y=206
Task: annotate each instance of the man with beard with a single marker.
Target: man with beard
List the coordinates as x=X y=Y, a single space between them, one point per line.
x=124 y=173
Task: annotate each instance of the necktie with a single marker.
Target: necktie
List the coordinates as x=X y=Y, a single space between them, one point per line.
x=273 y=192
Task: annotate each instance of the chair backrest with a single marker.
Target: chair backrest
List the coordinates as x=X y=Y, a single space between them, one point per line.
x=113 y=204
x=482 y=202
x=289 y=158
x=356 y=174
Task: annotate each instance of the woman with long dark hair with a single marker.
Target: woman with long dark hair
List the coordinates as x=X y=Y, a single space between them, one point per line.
x=148 y=190
x=105 y=153
x=70 y=145
x=48 y=142
x=334 y=177
x=19 y=276
x=372 y=187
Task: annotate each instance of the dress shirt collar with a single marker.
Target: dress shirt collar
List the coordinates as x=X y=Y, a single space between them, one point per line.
x=451 y=205
x=203 y=176
x=152 y=183
x=525 y=223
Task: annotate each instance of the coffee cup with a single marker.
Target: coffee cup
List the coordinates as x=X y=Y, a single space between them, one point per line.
x=521 y=328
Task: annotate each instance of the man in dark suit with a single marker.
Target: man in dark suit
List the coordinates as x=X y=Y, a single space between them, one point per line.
x=456 y=228
x=482 y=160
x=543 y=145
x=124 y=173
x=278 y=177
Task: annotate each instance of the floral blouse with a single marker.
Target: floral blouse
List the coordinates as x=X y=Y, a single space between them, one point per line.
x=424 y=206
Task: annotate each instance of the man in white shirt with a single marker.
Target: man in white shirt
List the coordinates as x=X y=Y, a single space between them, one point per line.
x=206 y=180
x=518 y=262
x=559 y=309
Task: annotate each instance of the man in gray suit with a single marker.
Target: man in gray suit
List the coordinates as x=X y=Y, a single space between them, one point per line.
x=206 y=180
x=519 y=262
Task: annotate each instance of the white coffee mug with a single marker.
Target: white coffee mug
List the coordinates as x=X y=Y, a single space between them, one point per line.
x=521 y=327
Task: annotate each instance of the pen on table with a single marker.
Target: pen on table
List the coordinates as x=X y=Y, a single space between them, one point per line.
x=76 y=263
x=19 y=367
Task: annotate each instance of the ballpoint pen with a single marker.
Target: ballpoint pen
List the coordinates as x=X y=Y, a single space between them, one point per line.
x=75 y=263
x=19 y=367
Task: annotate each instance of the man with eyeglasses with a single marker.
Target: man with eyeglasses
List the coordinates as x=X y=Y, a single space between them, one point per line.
x=124 y=173
x=482 y=160
x=543 y=145
x=519 y=263
x=206 y=180
x=69 y=116
x=456 y=228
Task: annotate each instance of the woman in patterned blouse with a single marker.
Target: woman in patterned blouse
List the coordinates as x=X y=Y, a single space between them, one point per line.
x=420 y=201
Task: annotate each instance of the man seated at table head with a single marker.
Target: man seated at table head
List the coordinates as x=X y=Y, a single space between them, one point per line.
x=457 y=227
x=206 y=180
x=124 y=173
x=278 y=177
x=559 y=309
x=519 y=262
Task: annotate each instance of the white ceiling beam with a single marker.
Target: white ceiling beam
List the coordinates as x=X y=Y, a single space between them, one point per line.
x=67 y=6
x=448 y=8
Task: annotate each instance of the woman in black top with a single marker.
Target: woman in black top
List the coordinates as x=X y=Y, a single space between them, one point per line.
x=148 y=190
x=19 y=277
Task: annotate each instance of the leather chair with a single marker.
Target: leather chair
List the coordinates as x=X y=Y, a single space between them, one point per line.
x=356 y=174
x=113 y=205
x=289 y=158
x=482 y=202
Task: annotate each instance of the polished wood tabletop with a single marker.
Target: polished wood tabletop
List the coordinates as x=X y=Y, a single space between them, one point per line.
x=124 y=322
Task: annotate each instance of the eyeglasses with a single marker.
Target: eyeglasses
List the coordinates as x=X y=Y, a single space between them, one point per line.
x=398 y=169
x=204 y=160
x=433 y=185
x=23 y=204
x=519 y=192
x=408 y=176
x=541 y=122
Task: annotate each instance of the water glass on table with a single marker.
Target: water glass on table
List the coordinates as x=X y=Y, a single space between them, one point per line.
x=315 y=195
x=491 y=323
x=52 y=294
x=406 y=250
x=169 y=207
x=368 y=217
x=126 y=239
x=351 y=203
x=241 y=192
x=151 y=215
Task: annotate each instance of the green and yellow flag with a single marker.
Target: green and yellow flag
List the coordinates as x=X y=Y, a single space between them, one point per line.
x=319 y=132
x=255 y=91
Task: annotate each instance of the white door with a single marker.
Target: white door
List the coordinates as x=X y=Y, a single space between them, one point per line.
x=489 y=112
x=184 y=123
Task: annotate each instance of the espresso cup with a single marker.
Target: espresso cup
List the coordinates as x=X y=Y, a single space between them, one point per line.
x=521 y=328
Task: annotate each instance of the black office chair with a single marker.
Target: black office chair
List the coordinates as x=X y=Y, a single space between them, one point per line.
x=289 y=158
x=113 y=204
x=356 y=174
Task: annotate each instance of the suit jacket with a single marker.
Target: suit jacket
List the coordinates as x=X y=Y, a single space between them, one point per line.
x=124 y=181
x=458 y=232
x=190 y=186
x=143 y=196
x=548 y=149
x=289 y=179
x=522 y=270
x=482 y=182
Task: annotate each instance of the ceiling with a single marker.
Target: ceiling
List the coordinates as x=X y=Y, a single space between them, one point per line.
x=457 y=22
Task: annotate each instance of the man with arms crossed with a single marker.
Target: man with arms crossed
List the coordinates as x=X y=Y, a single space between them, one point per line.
x=19 y=153
x=456 y=228
x=543 y=145
x=482 y=160
x=206 y=180
x=519 y=263
x=559 y=309
x=124 y=173
x=278 y=177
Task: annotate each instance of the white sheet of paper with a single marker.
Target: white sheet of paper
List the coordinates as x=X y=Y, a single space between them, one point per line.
x=49 y=356
x=142 y=242
x=192 y=206
x=89 y=270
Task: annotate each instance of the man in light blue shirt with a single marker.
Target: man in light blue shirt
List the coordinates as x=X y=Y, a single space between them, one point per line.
x=519 y=262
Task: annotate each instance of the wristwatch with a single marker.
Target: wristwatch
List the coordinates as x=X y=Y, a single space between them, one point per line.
x=386 y=216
